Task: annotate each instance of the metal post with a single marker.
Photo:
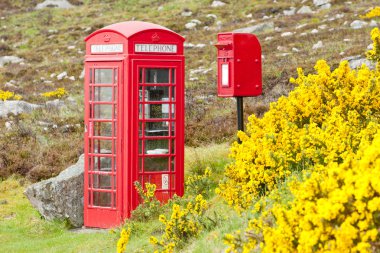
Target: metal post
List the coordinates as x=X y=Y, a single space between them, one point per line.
x=240 y=123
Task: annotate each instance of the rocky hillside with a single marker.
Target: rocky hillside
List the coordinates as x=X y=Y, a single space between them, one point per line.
x=42 y=49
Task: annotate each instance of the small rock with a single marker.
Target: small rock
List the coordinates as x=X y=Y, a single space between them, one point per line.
x=325 y=6
x=294 y=49
x=286 y=34
x=188 y=45
x=62 y=4
x=301 y=26
x=211 y=16
x=317 y=45
x=8 y=125
x=53 y=75
x=266 y=17
x=358 y=24
x=186 y=13
x=314 y=31
x=62 y=75
x=339 y=16
x=248 y=15
x=268 y=38
x=357 y=61
x=16 y=107
x=56 y=103
x=320 y=2
x=281 y=48
x=9 y=59
x=346 y=40
x=72 y=78
x=305 y=10
x=322 y=27
x=290 y=12
x=200 y=45
x=370 y=47
x=217 y=4
x=190 y=25
x=71 y=47
x=263 y=27
x=373 y=23
x=160 y=8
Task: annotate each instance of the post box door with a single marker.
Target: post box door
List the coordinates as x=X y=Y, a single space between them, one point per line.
x=102 y=165
x=159 y=123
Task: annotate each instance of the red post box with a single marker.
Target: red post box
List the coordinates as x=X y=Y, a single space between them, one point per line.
x=134 y=117
x=239 y=65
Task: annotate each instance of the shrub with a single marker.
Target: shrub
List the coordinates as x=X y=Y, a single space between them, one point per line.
x=329 y=129
x=58 y=93
x=123 y=240
x=150 y=207
x=6 y=95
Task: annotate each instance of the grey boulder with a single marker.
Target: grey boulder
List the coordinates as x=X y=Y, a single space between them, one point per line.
x=60 y=197
x=263 y=27
x=16 y=107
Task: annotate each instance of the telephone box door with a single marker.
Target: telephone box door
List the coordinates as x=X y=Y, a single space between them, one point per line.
x=102 y=195
x=158 y=87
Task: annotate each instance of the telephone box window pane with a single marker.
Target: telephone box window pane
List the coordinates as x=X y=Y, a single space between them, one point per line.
x=140 y=164
x=156 y=147
x=173 y=128
x=90 y=75
x=140 y=75
x=103 y=163
x=104 y=146
x=157 y=111
x=103 y=76
x=102 y=199
x=173 y=76
x=90 y=89
x=103 y=111
x=157 y=128
x=225 y=75
x=156 y=75
x=115 y=76
x=101 y=181
x=173 y=146
x=172 y=164
x=156 y=163
x=173 y=93
x=103 y=94
x=103 y=129
x=157 y=93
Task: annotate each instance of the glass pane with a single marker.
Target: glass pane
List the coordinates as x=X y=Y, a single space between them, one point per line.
x=101 y=181
x=172 y=163
x=115 y=76
x=103 y=76
x=140 y=75
x=114 y=200
x=156 y=163
x=90 y=75
x=173 y=75
x=173 y=93
x=102 y=199
x=156 y=147
x=156 y=75
x=157 y=128
x=173 y=146
x=157 y=111
x=103 y=146
x=157 y=93
x=103 y=163
x=173 y=129
x=102 y=111
x=103 y=94
x=103 y=129
x=91 y=92
x=141 y=98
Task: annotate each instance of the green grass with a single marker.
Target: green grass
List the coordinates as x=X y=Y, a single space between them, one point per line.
x=23 y=230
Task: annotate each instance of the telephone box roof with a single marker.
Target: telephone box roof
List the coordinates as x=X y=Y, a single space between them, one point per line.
x=131 y=28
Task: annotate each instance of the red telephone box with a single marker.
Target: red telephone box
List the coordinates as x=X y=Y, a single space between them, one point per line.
x=134 y=117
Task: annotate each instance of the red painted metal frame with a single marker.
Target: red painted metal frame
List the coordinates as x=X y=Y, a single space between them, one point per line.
x=128 y=64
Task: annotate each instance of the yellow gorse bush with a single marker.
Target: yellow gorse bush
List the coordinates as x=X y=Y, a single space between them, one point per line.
x=373 y=13
x=184 y=223
x=6 y=95
x=123 y=240
x=322 y=120
x=328 y=128
x=58 y=93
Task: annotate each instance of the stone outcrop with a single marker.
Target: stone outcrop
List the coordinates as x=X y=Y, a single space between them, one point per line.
x=16 y=107
x=60 y=197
